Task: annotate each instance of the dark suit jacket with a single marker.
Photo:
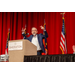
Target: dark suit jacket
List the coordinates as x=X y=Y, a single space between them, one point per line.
x=40 y=39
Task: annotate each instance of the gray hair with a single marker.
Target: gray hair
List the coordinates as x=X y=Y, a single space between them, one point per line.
x=34 y=27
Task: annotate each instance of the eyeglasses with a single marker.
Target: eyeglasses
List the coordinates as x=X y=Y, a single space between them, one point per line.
x=34 y=30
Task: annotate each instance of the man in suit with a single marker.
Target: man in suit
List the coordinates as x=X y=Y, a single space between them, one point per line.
x=37 y=39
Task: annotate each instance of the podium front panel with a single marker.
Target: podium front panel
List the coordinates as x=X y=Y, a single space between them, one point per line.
x=18 y=48
x=15 y=51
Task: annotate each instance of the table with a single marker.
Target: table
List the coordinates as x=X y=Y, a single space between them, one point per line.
x=50 y=58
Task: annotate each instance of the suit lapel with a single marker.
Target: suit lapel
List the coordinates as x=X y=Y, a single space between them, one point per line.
x=31 y=38
x=38 y=37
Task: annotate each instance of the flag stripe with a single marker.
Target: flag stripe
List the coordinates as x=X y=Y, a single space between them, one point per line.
x=62 y=41
x=62 y=35
x=62 y=45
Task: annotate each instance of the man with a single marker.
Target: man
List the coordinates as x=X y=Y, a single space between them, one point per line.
x=37 y=39
x=73 y=47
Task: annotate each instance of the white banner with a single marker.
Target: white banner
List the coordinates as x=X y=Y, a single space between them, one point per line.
x=16 y=45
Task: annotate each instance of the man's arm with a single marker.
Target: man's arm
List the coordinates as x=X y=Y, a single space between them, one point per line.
x=45 y=35
x=24 y=36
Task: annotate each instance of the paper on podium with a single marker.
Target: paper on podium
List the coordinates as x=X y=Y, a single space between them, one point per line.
x=16 y=45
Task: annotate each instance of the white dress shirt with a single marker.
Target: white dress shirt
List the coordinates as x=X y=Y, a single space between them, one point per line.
x=35 y=42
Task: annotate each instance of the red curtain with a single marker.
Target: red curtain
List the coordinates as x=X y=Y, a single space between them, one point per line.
x=16 y=20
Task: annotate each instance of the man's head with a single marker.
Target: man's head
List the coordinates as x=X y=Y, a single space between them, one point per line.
x=34 y=31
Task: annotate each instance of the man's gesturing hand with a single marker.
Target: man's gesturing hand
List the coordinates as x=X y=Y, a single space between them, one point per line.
x=23 y=30
x=42 y=27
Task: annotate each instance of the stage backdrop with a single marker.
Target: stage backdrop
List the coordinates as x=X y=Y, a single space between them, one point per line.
x=15 y=21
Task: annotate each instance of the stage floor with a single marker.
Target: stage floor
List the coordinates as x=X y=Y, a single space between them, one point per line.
x=50 y=58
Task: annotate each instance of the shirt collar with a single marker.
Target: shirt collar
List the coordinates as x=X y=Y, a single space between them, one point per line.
x=35 y=36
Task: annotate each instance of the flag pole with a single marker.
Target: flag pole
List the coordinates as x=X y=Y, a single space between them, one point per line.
x=44 y=21
x=25 y=28
x=62 y=14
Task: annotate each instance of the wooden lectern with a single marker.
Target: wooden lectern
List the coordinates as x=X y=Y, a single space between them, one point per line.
x=18 y=48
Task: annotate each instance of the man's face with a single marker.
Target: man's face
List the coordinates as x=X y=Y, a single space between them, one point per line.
x=34 y=31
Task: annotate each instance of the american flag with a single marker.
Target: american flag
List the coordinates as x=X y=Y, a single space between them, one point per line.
x=63 y=38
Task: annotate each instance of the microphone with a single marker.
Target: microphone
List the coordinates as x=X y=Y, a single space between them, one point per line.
x=27 y=34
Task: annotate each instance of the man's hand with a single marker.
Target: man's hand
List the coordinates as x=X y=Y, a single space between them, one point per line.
x=73 y=47
x=23 y=30
x=42 y=27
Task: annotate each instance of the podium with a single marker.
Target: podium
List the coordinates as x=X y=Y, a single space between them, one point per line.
x=18 y=48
